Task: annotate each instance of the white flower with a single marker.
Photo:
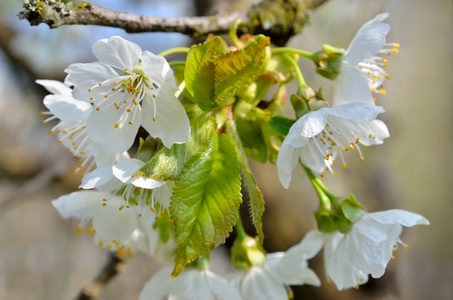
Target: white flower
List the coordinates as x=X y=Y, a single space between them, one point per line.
x=317 y=136
x=271 y=279
x=71 y=130
x=143 y=192
x=362 y=71
x=190 y=284
x=124 y=78
x=367 y=247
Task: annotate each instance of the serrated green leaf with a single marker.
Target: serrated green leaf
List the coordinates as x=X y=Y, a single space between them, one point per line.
x=281 y=124
x=199 y=73
x=237 y=69
x=256 y=198
x=205 y=201
x=167 y=164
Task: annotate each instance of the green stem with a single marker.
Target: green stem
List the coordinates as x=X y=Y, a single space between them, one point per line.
x=177 y=63
x=323 y=194
x=174 y=50
x=299 y=76
x=233 y=32
x=240 y=231
x=283 y=50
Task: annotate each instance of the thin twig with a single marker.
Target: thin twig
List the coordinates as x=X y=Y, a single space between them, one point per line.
x=112 y=267
x=280 y=19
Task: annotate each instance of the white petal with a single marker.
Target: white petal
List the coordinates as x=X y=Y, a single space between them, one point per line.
x=286 y=162
x=367 y=42
x=311 y=244
x=350 y=86
x=221 y=287
x=101 y=128
x=125 y=169
x=172 y=125
x=312 y=158
x=117 y=52
x=67 y=108
x=79 y=204
x=55 y=87
x=158 y=286
x=309 y=125
x=86 y=76
x=106 y=159
x=397 y=216
x=356 y=110
x=97 y=178
x=260 y=285
x=158 y=70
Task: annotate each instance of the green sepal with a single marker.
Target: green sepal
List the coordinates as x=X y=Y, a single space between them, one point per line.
x=341 y=223
x=246 y=253
x=199 y=73
x=329 y=61
x=256 y=203
x=281 y=124
x=205 y=200
x=167 y=164
x=325 y=223
x=352 y=209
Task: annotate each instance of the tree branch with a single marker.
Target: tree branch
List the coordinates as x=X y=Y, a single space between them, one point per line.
x=279 y=19
x=112 y=267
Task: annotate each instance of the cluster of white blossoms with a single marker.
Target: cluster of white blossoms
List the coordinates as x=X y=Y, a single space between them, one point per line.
x=100 y=108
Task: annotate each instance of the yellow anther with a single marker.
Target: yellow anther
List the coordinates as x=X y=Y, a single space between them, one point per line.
x=100 y=83
x=394 y=50
x=117 y=107
x=396 y=45
x=322 y=175
x=42 y=113
x=393 y=257
x=334 y=162
x=104 y=204
x=116 y=125
x=101 y=243
x=109 y=247
x=106 y=96
x=362 y=158
x=98 y=109
x=90 y=90
x=120 y=251
x=382 y=92
x=357 y=287
x=370 y=135
x=335 y=173
x=378 y=76
x=154 y=96
x=44 y=121
x=373 y=89
x=361 y=279
x=91 y=98
x=345 y=165
x=395 y=251
x=341 y=148
x=154 y=119
x=130 y=123
x=79 y=230
x=51 y=132
x=59 y=142
x=351 y=147
x=128 y=249
x=128 y=110
x=113 y=89
x=116 y=81
x=327 y=169
x=387 y=76
x=407 y=247
x=126 y=69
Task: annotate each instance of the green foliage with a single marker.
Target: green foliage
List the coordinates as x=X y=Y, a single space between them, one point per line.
x=256 y=198
x=199 y=73
x=205 y=200
x=281 y=124
x=167 y=164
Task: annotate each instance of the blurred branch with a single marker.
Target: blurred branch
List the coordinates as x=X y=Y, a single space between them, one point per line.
x=112 y=267
x=279 y=19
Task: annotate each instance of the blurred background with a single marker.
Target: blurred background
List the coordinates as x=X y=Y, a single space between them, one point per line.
x=41 y=256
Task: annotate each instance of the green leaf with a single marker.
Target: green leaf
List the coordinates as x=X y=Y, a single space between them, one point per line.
x=199 y=73
x=281 y=124
x=252 y=139
x=205 y=201
x=256 y=198
x=167 y=164
x=237 y=69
